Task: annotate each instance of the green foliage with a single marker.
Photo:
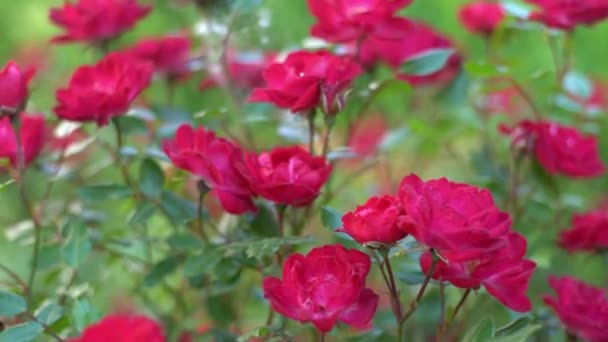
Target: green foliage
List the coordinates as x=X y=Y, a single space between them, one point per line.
x=427 y=63
x=11 y=304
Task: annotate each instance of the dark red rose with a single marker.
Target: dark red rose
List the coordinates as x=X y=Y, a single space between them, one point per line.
x=32 y=136
x=366 y=134
x=567 y=14
x=324 y=287
x=341 y=21
x=216 y=161
x=306 y=80
x=582 y=308
x=589 y=232
x=123 y=328
x=375 y=221
x=170 y=56
x=481 y=17
x=96 y=21
x=14 y=83
x=287 y=175
x=97 y=93
x=559 y=149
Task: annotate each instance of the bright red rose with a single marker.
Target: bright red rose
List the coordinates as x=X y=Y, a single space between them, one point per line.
x=582 y=308
x=559 y=149
x=169 y=55
x=14 y=86
x=457 y=220
x=102 y=91
x=323 y=287
x=31 y=134
x=567 y=14
x=375 y=221
x=589 y=232
x=481 y=17
x=123 y=328
x=366 y=134
x=306 y=80
x=341 y=21
x=216 y=161
x=504 y=273
x=418 y=40
x=287 y=175
x=96 y=21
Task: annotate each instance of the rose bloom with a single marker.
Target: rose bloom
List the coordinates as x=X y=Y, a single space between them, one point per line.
x=582 y=308
x=14 y=83
x=102 y=91
x=375 y=221
x=96 y=21
x=481 y=17
x=589 y=232
x=32 y=137
x=123 y=328
x=459 y=221
x=559 y=149
x=323 y=287
x=169 y=55
x=306 y=80
x=287 y=175
x=504 y=273
x=567 y=14
x=418 y=40
x=366 y=134
x=216 y=161
x=340 y=21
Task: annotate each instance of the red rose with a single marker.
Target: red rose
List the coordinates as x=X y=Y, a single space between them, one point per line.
x=481 y=17
x=31 y=134
x=123 y=328
x=375 y=221
x=96 y=21
x=323 y=287
x=341 y=21
x=582 y=308
x=559 y=149
x=458 y=220
x=217 y=161
x=589 y=232
x=366 y=134
x=418 y=40
x=14 y=86
x=504 y=273
x=287 y=175
x=102 y=91
x=168 y=55
x=306 y=80
x=567 y=14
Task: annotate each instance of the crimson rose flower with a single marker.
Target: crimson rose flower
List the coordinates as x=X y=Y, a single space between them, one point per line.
x=14 y=86
x=582 y=308
x=123 y=328
x=375 y=221
x=31 y=134
x=306 y=80
x=215 y=160
x=589 y=232
x=168 y=55
x=96 y=21
x=567 y=14
x=457 y=220
x=559 y=149
x=102 y=91
x=323 y=287
x=341 y=21
x=481 y=17
x=287 y=175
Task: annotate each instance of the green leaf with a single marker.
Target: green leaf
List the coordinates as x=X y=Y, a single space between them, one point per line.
x=178 y=210
x=427 y=62
x=185 y=242
x=246 y=5
x=513 y=326
x=257 y=332
x=482 y=332
x=264 y=223
x=413 y=277
x=331 y=218
x=265 y=247
x=83 y=314
x=102 y=192
x=142 y=213
x=161 y=270
x=4 y=185
x=49 y=313
x=578 y=85
x=484 y=69
x=220 y=309
x=78 y=245
x=517 y=331
x=151 y=178
x=21 y=332
x=132 y=124
x=11 y=304
x=455 y=93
